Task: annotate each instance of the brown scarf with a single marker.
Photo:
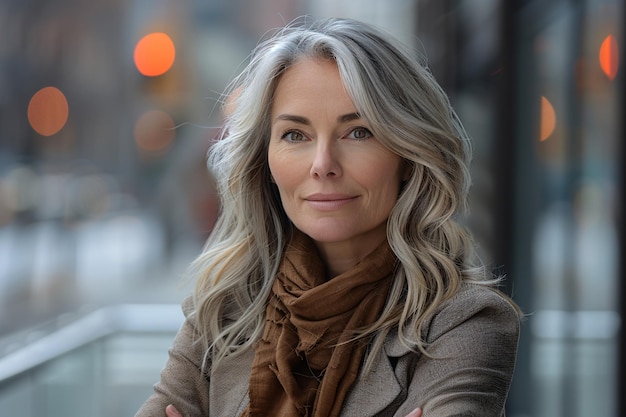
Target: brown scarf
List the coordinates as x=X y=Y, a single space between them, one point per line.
x=303 y=364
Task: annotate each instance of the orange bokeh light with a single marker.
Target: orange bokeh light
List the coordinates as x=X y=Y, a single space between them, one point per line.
x=154 y=54
x=548 y=119
x=48 y=111
x=154 y=131
x=609 y=57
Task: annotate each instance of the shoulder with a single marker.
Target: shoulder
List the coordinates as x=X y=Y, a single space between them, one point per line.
x=473 y=302
x=188 y=307
x=189 y=310
x=188 y=334
x=476 y=312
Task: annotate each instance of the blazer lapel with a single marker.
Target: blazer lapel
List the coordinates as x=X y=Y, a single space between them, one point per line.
x=375 y=391
x=229 y=385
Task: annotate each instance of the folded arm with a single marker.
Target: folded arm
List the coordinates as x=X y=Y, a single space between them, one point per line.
x=182 y=382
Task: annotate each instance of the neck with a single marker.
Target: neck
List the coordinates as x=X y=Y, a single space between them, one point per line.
x=341 y=257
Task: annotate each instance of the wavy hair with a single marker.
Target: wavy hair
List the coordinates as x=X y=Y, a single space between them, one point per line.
x=410 y=114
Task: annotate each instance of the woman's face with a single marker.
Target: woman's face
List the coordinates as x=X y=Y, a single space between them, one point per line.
x=337 y=182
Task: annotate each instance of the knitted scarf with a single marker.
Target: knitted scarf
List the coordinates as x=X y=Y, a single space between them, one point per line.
x=305 y=363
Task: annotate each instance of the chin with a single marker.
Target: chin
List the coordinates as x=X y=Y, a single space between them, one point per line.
x=326 y=237
x=325 y=234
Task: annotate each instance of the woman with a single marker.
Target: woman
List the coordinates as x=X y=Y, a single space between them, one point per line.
x=337 y=281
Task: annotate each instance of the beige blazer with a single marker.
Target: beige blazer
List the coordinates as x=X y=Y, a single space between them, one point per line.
x=472 y=340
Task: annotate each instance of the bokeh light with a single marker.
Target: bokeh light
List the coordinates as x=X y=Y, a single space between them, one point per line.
x=548 y=119
x=609 y=57
x=48 y=111
x=154 y=131
x=154 y=54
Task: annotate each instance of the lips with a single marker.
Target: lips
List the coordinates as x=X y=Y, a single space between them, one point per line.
x=329 y=202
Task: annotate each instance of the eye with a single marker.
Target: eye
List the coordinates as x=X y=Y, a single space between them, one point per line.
x=293 y=136
x=359 y=133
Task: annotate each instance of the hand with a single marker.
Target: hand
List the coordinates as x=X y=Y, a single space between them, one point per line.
x=171 y=411
x=415 y=413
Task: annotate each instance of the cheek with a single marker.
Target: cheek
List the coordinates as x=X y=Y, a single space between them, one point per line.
x=385 y=187
x=384 y=175
x=283 y=174
x=275 y=163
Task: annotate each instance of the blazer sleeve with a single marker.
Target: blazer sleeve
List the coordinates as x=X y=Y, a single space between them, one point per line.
x=472 y=346
x=182 y=381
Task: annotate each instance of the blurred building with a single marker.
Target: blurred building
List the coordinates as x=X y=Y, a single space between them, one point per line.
x=105 y=198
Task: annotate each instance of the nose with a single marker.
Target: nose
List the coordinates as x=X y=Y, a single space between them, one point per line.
x=325 y=161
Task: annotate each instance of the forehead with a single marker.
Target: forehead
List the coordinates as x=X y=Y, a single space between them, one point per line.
x=312 y=83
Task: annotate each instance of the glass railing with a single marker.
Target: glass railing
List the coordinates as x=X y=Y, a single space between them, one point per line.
x=102 y=364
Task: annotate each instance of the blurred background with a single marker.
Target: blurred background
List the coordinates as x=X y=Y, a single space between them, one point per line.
x=107 y=109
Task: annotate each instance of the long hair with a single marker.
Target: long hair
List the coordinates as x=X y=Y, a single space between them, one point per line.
x=408 y=113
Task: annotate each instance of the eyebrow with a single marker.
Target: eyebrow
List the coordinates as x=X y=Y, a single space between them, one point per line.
x=304 y=121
